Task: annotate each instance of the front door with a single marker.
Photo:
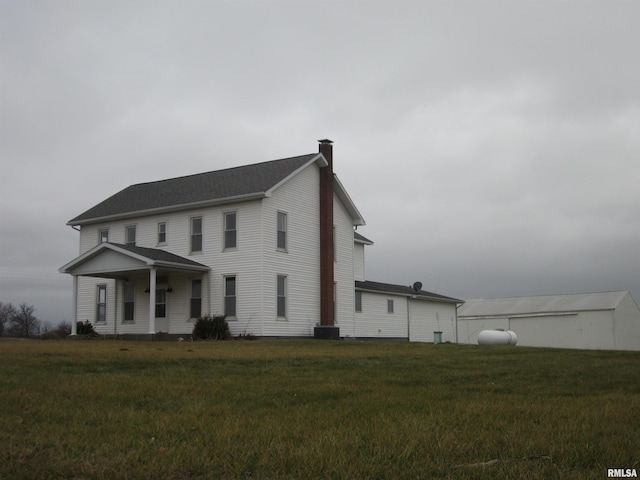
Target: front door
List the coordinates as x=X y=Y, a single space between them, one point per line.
x=162 y=320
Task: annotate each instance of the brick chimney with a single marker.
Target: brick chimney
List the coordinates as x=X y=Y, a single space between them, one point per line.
x=326 y=328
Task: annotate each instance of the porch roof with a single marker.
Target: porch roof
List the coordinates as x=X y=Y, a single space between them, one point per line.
x=113 y=260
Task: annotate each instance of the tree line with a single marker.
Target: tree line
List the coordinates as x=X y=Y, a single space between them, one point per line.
x=20 y=321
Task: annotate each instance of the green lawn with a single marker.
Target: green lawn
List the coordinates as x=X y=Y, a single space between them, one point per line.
x=105 y=409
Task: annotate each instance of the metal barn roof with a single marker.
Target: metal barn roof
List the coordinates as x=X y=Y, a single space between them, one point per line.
x=541 y=304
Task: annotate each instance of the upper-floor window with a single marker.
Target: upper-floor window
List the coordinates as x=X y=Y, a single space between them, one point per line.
x=282 y=231
x=389 y=306
x=196 y=234
x=230 y=230
x=130 y=235
x=162 y=232
x=103 y=235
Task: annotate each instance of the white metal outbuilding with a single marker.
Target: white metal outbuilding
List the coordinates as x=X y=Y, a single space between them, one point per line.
x=606 y=321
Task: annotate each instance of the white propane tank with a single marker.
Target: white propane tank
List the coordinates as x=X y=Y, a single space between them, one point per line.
x=497 y=337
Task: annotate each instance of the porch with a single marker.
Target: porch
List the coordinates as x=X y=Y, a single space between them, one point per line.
x=152 y=290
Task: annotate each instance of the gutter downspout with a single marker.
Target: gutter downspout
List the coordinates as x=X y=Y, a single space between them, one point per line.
x=115 y=313
x=458 y=305
x=409 y=317
x=74 y=310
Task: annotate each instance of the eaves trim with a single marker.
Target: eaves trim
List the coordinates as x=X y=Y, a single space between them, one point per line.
x=170 y=209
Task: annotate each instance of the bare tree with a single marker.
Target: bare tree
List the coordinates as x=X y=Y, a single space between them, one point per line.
x=63 y=329
x=24 y=323
x=7 y=311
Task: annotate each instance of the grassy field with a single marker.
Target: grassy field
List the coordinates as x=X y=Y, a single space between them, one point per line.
x=105 y=409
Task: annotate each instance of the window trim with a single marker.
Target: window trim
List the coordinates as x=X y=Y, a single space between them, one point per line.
x=101 y=287
x=192 y=235
x=224 y=231
x=127 y=229
x=282 y=296
x=285 y=216
x=165 y=303
x=124 y=303
x=100 y=230
x=161 y=242
x=192 y=298
x=234 y=296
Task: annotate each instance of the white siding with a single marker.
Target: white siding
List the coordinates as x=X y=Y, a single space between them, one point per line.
x=626 y=325
x=600 y=329
x=255 y=262
x=244 y=262
x=87 y=302
x=298 y=198
x=588 y=330
x=343 y=272
x=425 y=318
x=358 y=262
x=375 y=322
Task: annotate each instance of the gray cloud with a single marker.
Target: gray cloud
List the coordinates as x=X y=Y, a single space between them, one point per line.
x=491 y=146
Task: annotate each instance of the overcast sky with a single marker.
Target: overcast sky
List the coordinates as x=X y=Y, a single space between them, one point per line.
x=493 y=148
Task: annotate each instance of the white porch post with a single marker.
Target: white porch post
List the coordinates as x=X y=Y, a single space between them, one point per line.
x=74 y=309
x=152 y=300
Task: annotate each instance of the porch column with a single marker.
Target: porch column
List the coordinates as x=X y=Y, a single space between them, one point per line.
x=152 y=300
x=74 y=309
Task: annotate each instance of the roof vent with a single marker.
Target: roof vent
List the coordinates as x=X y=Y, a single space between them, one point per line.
x=417 y=287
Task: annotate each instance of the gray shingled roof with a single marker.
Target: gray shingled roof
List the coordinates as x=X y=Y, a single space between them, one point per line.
x=361 y=238
x=403 y=290
x=193 y=189
x=158 y=255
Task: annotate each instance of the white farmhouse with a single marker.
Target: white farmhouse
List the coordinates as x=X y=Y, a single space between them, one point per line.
x=607 y=320
x=270 y=245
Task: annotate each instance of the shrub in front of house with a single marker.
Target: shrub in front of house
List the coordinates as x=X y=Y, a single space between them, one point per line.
x=211 y=327
x=85 y=328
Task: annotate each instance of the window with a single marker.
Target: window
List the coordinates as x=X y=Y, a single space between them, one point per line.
x=101 y=310
x=130 y=235
x=282 y=296
x=230 y=296
x=129 y=302
x=389 y=306
x=103 y=235
x=358 y=301
x=282 y=231
x=230 y=230
x=196 y=299
x=196 y=234
x=161 y=303
x=162 y=232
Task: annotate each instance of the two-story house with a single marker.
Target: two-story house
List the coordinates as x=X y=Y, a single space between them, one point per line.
x=270 y=245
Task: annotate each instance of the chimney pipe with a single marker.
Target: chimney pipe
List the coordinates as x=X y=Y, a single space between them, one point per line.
x=327 y=328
